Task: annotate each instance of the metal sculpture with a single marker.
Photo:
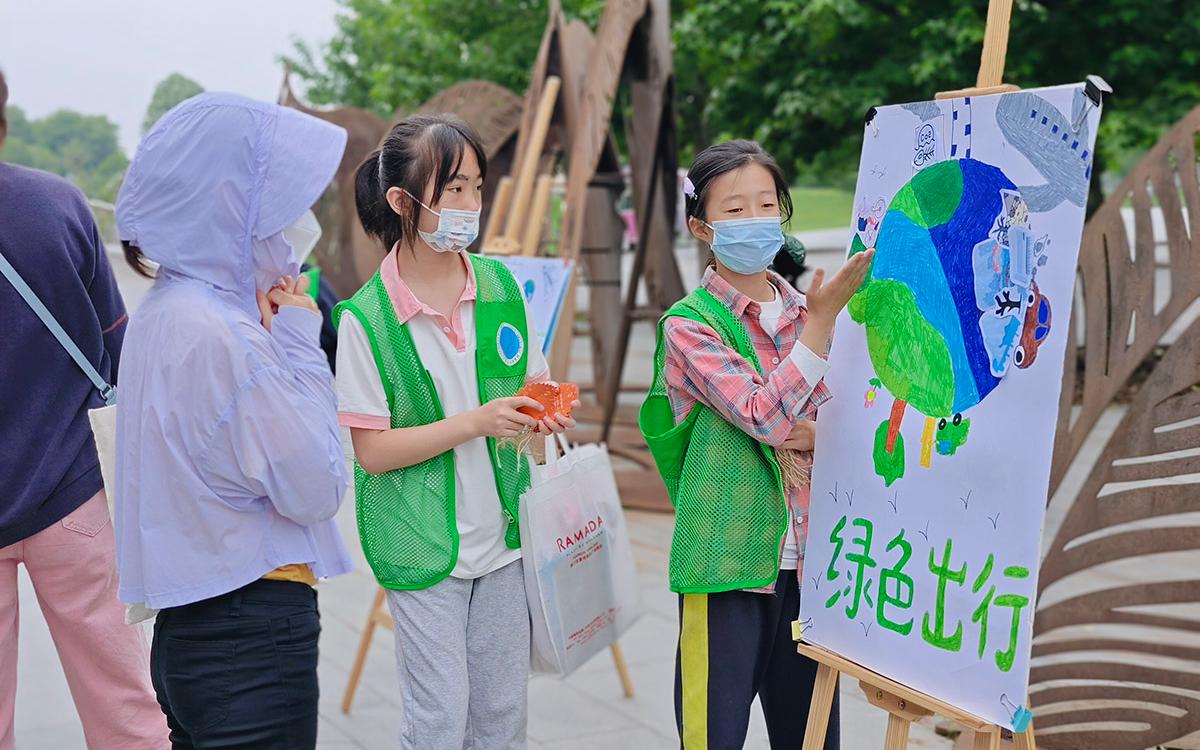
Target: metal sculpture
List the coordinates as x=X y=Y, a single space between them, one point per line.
x=1116 y=646
x=631 y=46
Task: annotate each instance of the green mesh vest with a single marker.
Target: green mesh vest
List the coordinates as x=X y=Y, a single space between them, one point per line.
x=730 y=511
x=406 y=517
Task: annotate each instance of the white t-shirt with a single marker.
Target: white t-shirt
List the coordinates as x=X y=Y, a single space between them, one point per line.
x=770 y=312
x=768 y=318
x=791 y=550
x=362 y=402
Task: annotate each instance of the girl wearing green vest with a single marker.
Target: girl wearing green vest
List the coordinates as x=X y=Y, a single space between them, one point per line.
x=431 y=352
x=738 y=377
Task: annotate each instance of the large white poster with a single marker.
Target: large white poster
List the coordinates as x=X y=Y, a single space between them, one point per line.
x=933 y=458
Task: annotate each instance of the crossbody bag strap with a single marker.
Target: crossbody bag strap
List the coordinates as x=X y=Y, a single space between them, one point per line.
x=107 y=391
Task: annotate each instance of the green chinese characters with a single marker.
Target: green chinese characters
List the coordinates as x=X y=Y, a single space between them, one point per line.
x=892 y=599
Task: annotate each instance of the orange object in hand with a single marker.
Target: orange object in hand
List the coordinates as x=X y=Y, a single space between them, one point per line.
x=556 y=398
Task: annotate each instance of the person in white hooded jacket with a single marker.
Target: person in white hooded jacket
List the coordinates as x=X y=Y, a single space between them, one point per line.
x=229 y=457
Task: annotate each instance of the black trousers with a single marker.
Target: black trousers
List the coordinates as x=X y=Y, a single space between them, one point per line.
x=736 y=645
x=240 y=670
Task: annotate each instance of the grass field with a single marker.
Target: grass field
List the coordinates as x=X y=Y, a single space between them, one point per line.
x=820 y=208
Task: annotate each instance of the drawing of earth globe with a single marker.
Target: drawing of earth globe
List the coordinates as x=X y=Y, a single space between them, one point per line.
x=937 y=262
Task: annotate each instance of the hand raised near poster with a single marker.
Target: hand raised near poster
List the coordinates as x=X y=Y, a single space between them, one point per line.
x=825 y=299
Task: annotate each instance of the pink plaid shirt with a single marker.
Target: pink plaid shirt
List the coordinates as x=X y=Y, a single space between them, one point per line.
x=699 y=367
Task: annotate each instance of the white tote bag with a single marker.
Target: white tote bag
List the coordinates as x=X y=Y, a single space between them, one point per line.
x=578 y=563
x=104 y=430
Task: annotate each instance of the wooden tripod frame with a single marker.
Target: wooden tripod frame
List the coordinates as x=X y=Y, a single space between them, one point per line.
x=516 y=223
x=904 y=705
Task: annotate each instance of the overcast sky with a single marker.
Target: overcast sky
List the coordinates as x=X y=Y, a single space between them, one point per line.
x=106 y=56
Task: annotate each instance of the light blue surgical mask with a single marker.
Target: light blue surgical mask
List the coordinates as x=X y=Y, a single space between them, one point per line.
x=457 y=228
x=746 y=246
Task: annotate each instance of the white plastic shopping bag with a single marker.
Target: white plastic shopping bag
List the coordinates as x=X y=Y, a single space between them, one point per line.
x=578 y=561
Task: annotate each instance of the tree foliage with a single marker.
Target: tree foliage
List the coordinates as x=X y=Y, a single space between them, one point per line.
x=82 y=148
x=796 y=74
x=170 y=91
x=800 y=74
x=398 y=53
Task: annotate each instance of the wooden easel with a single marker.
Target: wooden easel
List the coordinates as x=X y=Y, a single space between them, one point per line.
x=903 y=704
x=991 y=64
x=380 y=617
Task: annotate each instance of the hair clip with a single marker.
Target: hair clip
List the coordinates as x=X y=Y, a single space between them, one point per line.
x=688 y=188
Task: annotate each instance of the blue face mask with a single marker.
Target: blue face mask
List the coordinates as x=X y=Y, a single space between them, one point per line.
x=456 y=230
x=746 y=246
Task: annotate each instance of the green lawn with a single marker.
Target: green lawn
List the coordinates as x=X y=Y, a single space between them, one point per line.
x=820 y=208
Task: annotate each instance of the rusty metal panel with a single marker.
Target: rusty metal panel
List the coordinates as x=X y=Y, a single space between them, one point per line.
x=1117 y=273
x=1116 y=655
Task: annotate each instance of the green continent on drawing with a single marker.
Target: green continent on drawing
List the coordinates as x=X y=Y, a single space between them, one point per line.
x=931 y=197
x=950 y=303
x=909 y=355
x=888 y=464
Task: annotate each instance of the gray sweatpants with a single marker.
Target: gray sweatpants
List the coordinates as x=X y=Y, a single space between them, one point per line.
x=462 y=652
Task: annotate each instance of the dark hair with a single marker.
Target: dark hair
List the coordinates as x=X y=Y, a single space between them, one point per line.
x=720 y=158
x=137 y=260
x=3 y=106
x=416 y=149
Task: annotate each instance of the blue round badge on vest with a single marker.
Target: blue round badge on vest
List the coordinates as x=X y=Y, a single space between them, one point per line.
x=510 y=345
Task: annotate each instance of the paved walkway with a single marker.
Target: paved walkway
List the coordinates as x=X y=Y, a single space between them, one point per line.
x=587 y=709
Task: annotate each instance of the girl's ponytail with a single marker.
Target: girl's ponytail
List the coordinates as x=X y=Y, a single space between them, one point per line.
x=137 y=260
x=374 y=213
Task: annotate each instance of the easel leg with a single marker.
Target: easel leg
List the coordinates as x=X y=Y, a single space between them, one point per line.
x=897 y=733
x=818 y=711
x=361 y=659
x=987 y=740
x=618 y=657
x=1024 y=740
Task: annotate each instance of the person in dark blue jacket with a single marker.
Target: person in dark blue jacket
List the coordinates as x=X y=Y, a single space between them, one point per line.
x=53 y=513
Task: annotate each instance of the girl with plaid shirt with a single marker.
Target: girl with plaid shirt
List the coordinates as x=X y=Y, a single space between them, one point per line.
x=738 y=381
